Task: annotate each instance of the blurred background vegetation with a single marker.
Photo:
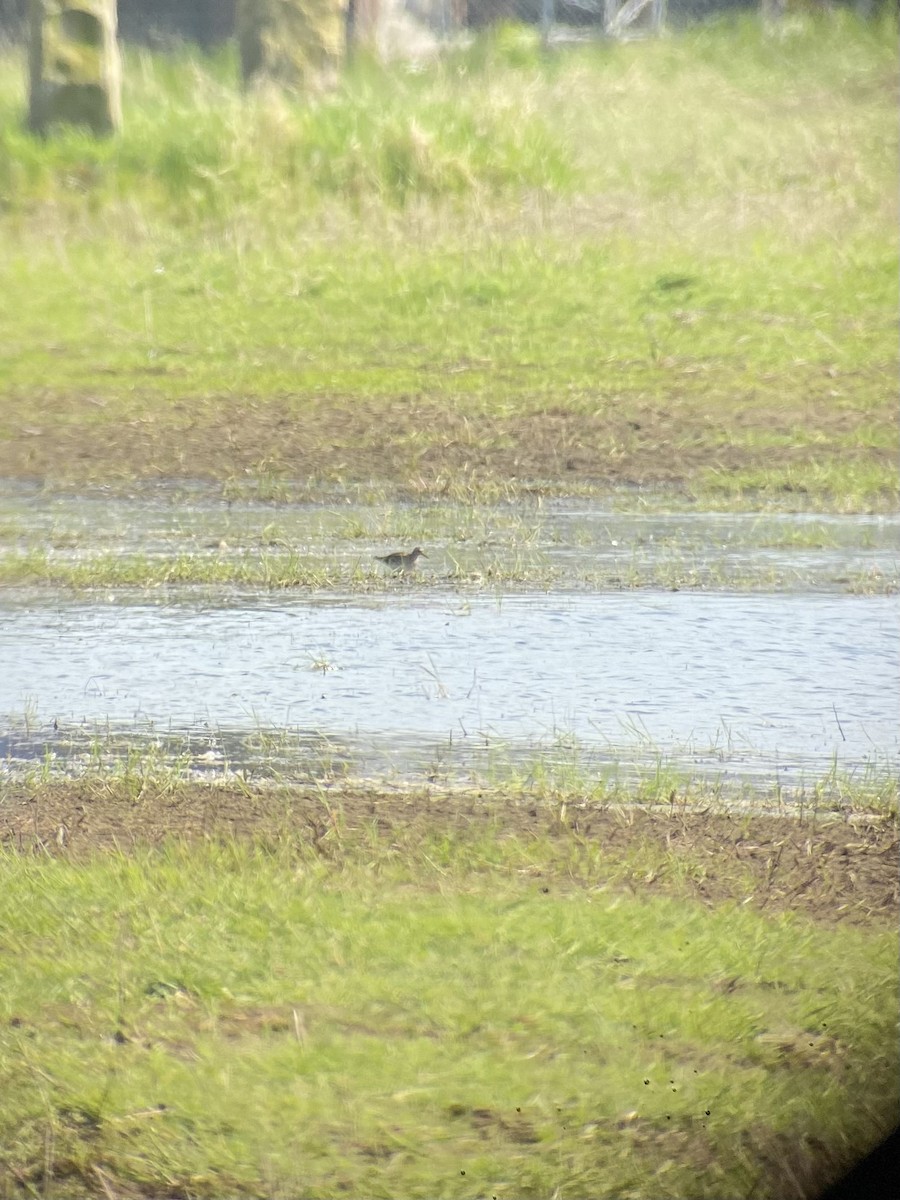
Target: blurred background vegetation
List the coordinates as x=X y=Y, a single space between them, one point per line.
x=697 y=228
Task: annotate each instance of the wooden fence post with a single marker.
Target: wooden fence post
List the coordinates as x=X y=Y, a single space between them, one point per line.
x=75 y=73
x=295 y=42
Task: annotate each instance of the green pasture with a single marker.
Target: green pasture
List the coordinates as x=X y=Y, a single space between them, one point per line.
x=663 y=265
x=686 y=248
x=462 y=1015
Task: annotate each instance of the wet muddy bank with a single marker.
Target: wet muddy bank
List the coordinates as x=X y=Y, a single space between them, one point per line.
x=829 y=867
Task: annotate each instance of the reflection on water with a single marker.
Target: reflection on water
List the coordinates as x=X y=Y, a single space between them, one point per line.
x=743 y=683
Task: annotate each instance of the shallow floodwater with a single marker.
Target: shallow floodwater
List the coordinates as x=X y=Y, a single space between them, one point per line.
x=561 y=543
x=787 y=686
x=778 y=664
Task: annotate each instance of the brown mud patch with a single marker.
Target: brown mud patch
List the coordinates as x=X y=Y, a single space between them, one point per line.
x=830 y=868
x=429 y=444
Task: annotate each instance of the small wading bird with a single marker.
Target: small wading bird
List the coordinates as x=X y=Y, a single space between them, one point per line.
x=401 y=562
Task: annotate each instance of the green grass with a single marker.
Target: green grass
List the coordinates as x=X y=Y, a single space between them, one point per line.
x=682 y=252
x=670 y=263
x=465 y=1016
x=463 y=571
x=451 y=320
x=484 y=122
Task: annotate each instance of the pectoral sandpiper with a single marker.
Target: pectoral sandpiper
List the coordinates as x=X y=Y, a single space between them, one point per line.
x=400 y=561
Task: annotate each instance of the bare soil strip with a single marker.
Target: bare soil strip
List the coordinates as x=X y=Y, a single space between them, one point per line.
x=830 y=868
x=422 y=445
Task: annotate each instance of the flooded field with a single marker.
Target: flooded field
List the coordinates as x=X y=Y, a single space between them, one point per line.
x=536 y=638
x=563 y=545
x=425 y=684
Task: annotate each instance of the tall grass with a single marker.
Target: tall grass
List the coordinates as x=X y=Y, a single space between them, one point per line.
x=196 y=146
x=685 y=248
x=719 y=112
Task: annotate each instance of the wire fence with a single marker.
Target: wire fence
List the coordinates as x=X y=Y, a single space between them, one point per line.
x=610 y=16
